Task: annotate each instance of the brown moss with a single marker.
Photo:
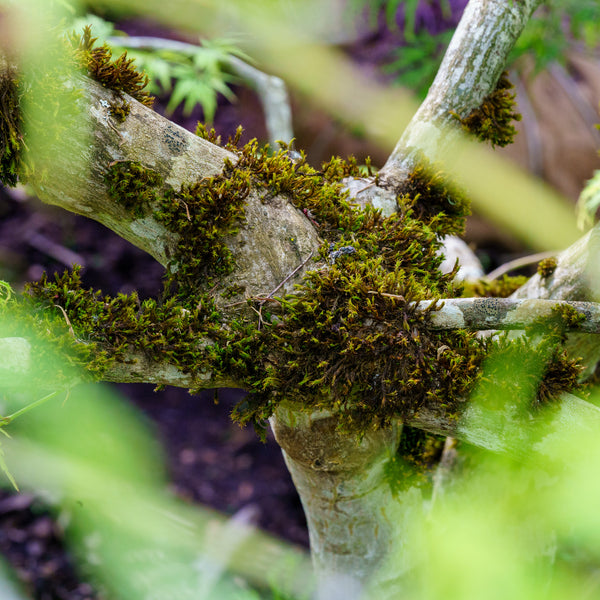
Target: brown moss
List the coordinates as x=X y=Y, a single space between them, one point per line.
x=117 y=74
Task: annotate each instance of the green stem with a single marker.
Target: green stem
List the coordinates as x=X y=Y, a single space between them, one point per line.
x=8 y=419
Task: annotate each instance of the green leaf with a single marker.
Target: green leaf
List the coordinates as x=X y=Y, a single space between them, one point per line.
x=589 y=202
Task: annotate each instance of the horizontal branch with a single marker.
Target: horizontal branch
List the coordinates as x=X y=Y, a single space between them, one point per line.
x=503 y=429
x=19 y=370
x=508 y=313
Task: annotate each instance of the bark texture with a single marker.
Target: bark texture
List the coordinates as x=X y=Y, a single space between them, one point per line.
x=344 y=493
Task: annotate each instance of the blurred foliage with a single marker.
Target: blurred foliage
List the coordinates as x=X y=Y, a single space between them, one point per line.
x=556 y=26
x=189 y=77
x=589 y=202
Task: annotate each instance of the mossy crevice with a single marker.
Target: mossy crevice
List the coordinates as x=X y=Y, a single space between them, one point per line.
x=495 y=288
x=547 y=266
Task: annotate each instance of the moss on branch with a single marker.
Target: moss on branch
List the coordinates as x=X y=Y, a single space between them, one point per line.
x=349 y=340
x=493 y=121
x=47 y=99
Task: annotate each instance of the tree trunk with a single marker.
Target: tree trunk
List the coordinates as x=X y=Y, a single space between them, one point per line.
x=344 y=493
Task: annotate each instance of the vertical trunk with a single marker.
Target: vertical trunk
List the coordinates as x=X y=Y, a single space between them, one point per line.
x=341 y=483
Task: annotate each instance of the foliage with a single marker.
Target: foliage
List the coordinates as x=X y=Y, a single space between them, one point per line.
x=558 y=23
x=417 y=57
x=187 y=74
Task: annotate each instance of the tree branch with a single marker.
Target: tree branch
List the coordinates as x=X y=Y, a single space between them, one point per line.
x=469 y=72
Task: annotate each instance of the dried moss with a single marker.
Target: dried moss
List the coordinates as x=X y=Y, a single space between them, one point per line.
x=117 y=74
x=493 y=121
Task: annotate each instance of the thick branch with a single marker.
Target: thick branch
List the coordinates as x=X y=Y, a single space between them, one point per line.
x=469 y=72
x=79 y=185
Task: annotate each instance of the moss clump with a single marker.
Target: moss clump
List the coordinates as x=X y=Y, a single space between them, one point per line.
x=349 y=340
x=117 y=74
x=496 y=288
x=436 y=202
x=547 y=266
x=133 y=185
x=493 y=121
x=120 y=110
x=415 y=460
x=11 y=126
x=114 y=327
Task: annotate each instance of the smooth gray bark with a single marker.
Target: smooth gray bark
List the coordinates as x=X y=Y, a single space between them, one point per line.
x=472 y=65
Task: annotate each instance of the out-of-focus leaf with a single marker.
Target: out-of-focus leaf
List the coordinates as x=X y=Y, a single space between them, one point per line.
x=589 y=202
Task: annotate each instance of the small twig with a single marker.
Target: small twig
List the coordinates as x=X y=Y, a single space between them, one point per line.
x=66 y=319
x=254 y=298
x=187 y=210
x=291 y=275
x=365 y=188
x=396 y=296
x=518 y=263
x=6 y=420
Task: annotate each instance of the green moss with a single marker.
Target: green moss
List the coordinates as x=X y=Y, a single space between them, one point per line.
x=134 y=186
x=349 y=340
x=435 y=200
x=547 y=266
x=114 y=327
x=117 y=74
x=493 y=121
x=11 y=127
x=496 y=288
